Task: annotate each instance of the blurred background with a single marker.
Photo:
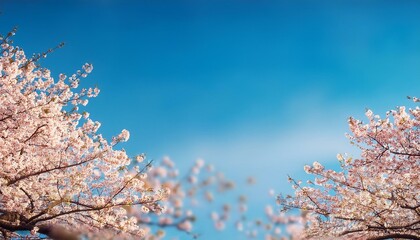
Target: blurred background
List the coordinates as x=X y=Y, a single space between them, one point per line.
x=257 y=88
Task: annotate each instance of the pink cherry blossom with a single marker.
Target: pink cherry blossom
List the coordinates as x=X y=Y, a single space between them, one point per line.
x=375 y=196
x=59 y=177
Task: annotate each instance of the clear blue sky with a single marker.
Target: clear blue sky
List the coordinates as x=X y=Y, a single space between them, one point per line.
x=255 y=87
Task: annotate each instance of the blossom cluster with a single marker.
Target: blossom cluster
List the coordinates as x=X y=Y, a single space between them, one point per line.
x=59 y=176
x=375 y=196
x=198 y=186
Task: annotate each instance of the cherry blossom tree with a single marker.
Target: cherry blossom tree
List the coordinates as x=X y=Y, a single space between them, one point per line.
x=373 y=197
x=59 y=177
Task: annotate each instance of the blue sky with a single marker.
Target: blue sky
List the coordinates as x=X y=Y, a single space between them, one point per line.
x=255 y=87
